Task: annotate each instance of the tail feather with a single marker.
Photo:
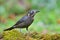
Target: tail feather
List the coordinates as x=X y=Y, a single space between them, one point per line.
x=9 y=29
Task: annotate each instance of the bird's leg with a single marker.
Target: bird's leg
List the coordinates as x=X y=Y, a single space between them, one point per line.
x=27 y=31
x=20 y=30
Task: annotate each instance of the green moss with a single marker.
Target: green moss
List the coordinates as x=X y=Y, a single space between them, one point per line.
x=16 y=35
x=13 y=35
x=55 y=37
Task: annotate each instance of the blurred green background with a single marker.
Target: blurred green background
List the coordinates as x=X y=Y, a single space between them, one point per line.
x=47 y=19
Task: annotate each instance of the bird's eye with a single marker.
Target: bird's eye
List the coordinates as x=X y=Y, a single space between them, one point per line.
x=32 y=12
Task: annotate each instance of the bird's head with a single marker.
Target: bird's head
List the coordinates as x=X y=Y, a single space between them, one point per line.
x=33 y=12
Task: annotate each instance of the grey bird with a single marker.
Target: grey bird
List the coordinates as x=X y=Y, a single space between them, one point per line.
x=25 y=21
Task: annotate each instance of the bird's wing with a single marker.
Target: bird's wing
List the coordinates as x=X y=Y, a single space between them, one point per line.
x=20 y=25
x=21 y=20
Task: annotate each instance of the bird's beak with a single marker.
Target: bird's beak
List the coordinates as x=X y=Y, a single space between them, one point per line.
x=37 y=11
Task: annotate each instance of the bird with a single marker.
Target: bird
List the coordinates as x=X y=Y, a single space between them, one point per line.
x=25 y=21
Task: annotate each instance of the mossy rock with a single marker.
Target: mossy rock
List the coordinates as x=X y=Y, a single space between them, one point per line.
x=13 y=35
x=16 y=35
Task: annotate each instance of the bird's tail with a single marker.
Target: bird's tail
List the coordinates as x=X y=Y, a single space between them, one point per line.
x=9 y=29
